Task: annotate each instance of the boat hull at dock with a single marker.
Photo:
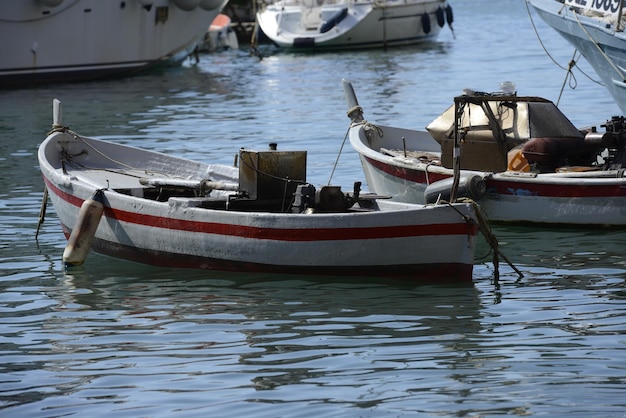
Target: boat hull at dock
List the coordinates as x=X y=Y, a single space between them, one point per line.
x=69 y=40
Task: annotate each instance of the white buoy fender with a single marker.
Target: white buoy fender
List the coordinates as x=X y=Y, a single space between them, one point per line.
x=85 y=229
x=472 y=186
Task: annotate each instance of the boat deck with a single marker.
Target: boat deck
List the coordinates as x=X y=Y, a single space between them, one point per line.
x=109 y=178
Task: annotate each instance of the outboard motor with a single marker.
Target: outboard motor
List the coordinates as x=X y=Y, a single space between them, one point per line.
x=303 y=198
x=331 y=199
x=614 y=139
x=328 y=199
x=550 y=153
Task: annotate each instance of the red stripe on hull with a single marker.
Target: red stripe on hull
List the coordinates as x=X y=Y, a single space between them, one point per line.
x=321 y=234
x=508 y=187
x=408 y=174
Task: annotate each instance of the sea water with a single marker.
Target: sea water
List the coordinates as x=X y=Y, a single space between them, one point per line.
x=114 y=338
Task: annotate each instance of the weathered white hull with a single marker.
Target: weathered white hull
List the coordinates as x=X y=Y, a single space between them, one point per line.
x=87 y=39
x=366 y=24
x=395 y=239
x=553 y=198
x=601 y=45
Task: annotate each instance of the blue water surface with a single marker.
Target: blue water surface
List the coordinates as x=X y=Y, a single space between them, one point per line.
x=115 y=338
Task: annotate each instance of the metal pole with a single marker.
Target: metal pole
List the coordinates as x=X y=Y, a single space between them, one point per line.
x=456 y=153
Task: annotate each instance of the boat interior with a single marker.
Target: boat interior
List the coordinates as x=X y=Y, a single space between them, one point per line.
x=266 y=181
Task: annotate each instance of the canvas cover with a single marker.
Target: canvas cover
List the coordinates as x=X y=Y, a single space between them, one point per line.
x=493 y=125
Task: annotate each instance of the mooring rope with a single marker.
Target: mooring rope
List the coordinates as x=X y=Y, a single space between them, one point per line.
x=492 y=240
x=339 y=155
x=485 y=229
x=42 y=210
x=571 y=64
x=606 y=57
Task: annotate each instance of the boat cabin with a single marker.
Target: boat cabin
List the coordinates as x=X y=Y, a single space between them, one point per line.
x=497 y=132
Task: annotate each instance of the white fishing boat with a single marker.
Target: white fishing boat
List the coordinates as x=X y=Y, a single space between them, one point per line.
x=261 y=216
x=349 y=24
x=45 y=41
x=519 y=157
x=596 y=30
